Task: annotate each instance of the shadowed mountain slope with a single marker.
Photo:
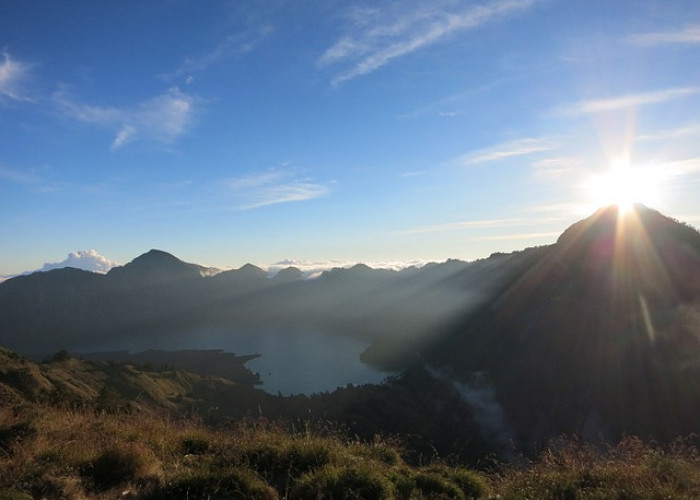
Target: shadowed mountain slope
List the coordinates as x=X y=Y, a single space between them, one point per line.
x=600 y=337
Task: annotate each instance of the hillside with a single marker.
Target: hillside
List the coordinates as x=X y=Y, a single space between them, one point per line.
x=72 y=429
x=75 y=383
x=599 y=338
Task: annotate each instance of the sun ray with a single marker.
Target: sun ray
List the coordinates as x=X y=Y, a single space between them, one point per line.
x=624 y=185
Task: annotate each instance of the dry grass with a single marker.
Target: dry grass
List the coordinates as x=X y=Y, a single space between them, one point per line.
x=632 y=470
x=56 y=453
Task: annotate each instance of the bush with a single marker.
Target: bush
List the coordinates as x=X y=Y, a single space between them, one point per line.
x=236 y=483
x=280 y=463
x=120 y=465
x=433 y=485
x=342 y=483
x=471 y=484
x=13 y=433
x=195 y=445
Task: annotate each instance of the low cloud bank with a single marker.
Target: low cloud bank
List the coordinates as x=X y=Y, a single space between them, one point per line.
x=312 y=270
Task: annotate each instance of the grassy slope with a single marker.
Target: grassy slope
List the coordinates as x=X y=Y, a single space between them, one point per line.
x=76 y=430
x=50 y=452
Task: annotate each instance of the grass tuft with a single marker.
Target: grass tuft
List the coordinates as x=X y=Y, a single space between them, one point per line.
x=121 y=465
x=343 y=483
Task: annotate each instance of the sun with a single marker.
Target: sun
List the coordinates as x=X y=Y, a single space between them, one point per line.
x=624 y=186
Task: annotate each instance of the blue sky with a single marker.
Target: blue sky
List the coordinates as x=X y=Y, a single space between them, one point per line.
x=229 y=132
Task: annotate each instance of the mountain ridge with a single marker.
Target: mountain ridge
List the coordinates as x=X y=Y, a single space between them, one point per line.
x=609 y=312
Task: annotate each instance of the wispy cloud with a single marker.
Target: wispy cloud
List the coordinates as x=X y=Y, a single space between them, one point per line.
x=18 y=176
x=462 y=225
x=628 y=101
x=674 y=133
x=231 y=46
x=555 y=166
x=688 y=35
x=679 y=168
x=272 y=188
x=519 y=236
x=375 y=37
x=32 y=179
x=162 y=118
x=408 y=175
x=12 y=75
x=520 y=147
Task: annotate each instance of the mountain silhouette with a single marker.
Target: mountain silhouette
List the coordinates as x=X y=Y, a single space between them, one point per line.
x=598 y=337
x=155 y=267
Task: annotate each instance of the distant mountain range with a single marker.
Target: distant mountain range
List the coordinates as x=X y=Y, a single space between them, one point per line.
x=598 y=334
x=157 y=296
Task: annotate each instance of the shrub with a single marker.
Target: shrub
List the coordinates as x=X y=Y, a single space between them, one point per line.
x=385 y=453
x=282 y=462
x=433 y=485
x=236 y=483
x=471 y=483
x=342 y=483
x=194 y=445
x=404 y=484
x=120 y=465
x=13 y=433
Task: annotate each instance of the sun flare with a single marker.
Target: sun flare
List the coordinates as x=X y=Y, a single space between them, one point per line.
x=625 y=186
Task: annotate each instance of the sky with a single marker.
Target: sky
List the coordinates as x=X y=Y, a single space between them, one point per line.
x=384 y=132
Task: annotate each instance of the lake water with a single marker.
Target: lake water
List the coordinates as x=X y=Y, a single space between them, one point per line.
x=290 y=362
x=306 y=362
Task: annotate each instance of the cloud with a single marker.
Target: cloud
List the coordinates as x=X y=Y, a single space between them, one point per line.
x=520 y=147
x=88 y=260
x=555 y=166
x=679 y=168
x=687 y=36
x=272 y=188
x=675 y=133
x=519 y=236
x=628 y=101
x=34 y=179
x=231 y=46
x=376 y=37
x=12 y=74
x=18 y=177
x=162 y=118
x=407 y=175
x=311 y=269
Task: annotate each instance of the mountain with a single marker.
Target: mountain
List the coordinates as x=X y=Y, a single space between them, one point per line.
x=596 y=335
x=599 y=337
x=159 y=301
x=155 y=268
